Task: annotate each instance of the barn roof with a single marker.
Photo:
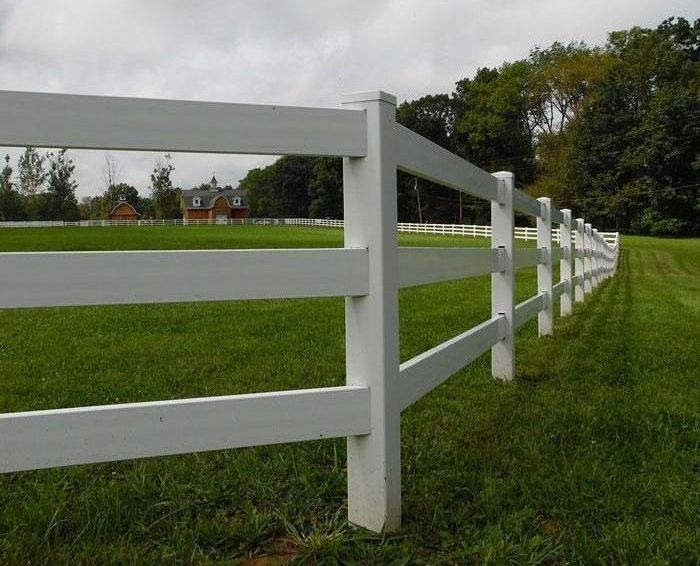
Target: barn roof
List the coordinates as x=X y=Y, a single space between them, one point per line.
x=124 y=203
x=207 y=198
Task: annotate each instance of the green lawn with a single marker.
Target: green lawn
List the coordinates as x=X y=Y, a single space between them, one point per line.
x=592 y=455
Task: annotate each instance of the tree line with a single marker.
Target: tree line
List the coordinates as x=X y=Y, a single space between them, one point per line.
x=44 y=186
x=611 y=132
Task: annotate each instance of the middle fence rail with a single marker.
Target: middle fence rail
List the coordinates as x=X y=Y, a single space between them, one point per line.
x=368 y=270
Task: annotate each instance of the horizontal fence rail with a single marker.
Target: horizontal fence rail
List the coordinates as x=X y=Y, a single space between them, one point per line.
x=369 y=271
x=522 y=202
x=43 y=439
x=423 y=158
x=426 y=371
x=528 y=257
x=102 y=122
x=48 y=279
x=418 y=266
x=529 y=309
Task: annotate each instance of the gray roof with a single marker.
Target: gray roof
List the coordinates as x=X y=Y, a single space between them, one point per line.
x=207 y=198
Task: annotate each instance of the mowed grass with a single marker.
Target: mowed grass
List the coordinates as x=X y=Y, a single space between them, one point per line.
x=592 y=455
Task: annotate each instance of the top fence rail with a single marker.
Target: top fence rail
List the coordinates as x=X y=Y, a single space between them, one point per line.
x=107 y=122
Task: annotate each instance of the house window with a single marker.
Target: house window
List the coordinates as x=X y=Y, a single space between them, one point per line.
x=237 y=201
x=196 y=201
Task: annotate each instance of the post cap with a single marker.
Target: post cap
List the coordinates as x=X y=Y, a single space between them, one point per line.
x=368 y=96
x=503 y=175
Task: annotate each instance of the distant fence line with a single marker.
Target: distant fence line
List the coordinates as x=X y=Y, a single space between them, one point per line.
x=473 y=230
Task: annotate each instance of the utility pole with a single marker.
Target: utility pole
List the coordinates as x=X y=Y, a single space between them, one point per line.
x=415 y=188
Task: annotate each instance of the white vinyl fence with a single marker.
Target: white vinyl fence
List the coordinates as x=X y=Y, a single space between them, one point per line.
x=368 y=270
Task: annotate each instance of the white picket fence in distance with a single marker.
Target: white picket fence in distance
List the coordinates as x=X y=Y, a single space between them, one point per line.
x=469 y=230
x=368 y=270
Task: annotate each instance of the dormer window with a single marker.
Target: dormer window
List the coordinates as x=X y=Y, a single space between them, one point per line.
x=196 y=201
x=236 y=201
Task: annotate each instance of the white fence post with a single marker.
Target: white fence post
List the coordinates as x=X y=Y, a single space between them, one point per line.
x=602 y=258
x=603 y=249
x=545 y=318
x=595 y=258
x=580 y=251
x=588 y=247
x=503 y=282
x=567 y=258
x=371 y=322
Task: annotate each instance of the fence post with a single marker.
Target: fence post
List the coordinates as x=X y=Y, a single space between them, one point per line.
x=603 y=257
x=595 y=259
x=567 y=257
x=588 y=255
x=371 y=322
x=503 y=282
x=580 y=250
x=545 y=318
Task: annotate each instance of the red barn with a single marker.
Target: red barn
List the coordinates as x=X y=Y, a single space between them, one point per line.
x=123 y=210
x=218 y=205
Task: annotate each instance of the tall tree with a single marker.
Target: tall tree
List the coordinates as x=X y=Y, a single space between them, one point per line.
x=110 y=171
x=6 y=183
x=62 y=203
x=326 y=188
x=166 y=198
x=280 y=189
x=11 y=203
x=561 y=80
x=32 y=173
x=91 y=208
x=492 y=128
x=431 y=116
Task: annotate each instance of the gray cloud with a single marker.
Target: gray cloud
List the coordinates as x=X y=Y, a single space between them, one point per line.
x=303 y=52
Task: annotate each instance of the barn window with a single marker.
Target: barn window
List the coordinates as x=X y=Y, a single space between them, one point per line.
x=236 y=201
x=196 y=201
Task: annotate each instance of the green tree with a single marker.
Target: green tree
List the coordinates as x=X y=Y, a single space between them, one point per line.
x=11 y=203
x=562 y=79
x=32 y=176
x=492 y=129
x=91 y=208
x=32 y=173
x=166 y=198
x=431 y=116
x=326 y=188
x=281 y=189
x=61 y=200
x=6 y=183
x=636 y=153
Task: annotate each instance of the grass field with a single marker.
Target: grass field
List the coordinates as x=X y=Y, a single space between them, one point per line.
x=591 y=456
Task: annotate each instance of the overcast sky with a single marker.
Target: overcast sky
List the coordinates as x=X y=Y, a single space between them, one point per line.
x=297 y=52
